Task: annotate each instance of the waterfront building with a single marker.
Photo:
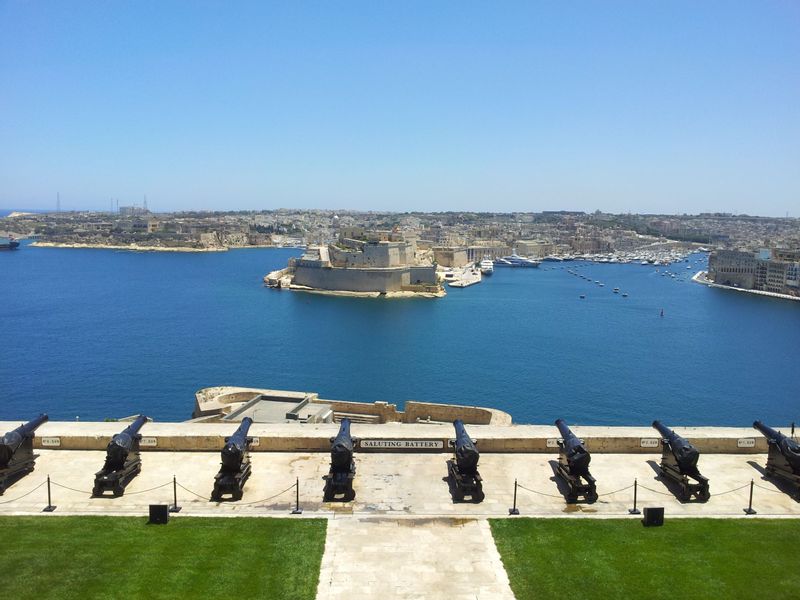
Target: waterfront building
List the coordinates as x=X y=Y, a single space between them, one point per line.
x=776 y=271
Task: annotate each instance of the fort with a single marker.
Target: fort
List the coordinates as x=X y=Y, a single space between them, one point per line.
x=372 y=267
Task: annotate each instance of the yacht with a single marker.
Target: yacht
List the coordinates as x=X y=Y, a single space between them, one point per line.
x=516 y=260
x=486 y=266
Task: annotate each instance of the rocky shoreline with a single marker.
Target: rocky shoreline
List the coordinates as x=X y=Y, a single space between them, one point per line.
x=138 y=248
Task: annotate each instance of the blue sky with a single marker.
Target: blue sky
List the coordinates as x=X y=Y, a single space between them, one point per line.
x=620 y=106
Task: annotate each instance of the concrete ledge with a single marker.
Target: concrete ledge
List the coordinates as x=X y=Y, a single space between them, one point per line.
x=295 y=437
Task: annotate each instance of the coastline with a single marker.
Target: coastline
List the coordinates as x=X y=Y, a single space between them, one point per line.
x=700 y=277
x=131 y=247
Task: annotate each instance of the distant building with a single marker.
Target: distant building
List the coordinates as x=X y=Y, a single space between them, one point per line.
x=450 y=257
x=133 y=211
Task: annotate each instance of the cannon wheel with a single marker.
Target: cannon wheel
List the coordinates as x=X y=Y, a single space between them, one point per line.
x=591 y=497
x=478 y=496
x=703 y=495
x=118 y=491
x=458 y=494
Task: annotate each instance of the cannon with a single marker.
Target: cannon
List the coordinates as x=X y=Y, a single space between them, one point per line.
x=16 y=452
x=462 y=469
x=573 y=465
x=122 y=460
x=235 y=467
x=679 y=464
x=783 y=459
x=339 y=480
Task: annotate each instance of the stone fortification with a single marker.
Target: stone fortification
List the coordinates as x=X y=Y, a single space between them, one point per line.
x=360 y=267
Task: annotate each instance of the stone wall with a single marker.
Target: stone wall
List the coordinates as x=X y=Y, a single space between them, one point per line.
x=285 y=437
x=353 y=280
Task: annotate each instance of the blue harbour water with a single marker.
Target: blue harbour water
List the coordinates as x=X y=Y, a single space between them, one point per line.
x=101 y=333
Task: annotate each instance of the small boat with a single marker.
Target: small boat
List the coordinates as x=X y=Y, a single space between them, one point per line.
x=583 y=296
x=616 y=290
x=624 y=295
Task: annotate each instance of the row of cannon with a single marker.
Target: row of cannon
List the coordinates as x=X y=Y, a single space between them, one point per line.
x=679 y=462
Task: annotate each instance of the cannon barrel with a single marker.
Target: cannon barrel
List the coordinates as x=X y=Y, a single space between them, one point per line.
x=685 y=454
x=12 y=440
x=122 y=443
x=466 y=453
x=578 y=457
x=342 y=448
x=236 y=446
x=787 y=446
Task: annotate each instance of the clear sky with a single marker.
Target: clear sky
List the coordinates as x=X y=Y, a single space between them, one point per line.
x=638 y=106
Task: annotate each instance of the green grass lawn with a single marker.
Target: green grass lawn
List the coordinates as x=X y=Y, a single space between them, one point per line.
x=121 y=557
x=686 y=558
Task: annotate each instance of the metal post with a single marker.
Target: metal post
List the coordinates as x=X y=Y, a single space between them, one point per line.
x=49 y=507
x=174 y=508
x=749 y=510
x=297 y=510
x=514 y=510
x=634 y=510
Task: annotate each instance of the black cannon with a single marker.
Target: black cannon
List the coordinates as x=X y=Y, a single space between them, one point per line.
x=783 y=459
x=16 y=452
x=339 y=480
x=123 y=462
x=462 y=469
x=235 y=467
x=573 y=465
x=679 y=463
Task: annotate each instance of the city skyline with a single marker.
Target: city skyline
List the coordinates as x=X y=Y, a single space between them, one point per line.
x=679 y=108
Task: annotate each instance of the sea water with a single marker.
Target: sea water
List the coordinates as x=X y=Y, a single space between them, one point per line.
x=95 y=334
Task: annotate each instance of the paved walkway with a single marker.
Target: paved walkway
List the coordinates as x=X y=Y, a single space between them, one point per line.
x=393 y=485
x=454 y=559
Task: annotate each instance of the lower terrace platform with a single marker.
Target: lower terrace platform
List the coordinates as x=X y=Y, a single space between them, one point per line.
x=396 y=485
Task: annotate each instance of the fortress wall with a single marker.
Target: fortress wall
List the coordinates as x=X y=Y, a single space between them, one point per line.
x=353 y=280
x=423 y=275
x=446 y=412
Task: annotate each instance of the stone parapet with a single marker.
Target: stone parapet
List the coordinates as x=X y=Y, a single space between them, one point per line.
x=294 y=437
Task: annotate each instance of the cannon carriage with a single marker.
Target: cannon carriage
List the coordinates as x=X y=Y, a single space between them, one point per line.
x=783 y=458
x=235 y=466
x=462 y=469
x=339 y=480
x=123 y=461
x=679 y=464
x=16 y=452
x=573 y=465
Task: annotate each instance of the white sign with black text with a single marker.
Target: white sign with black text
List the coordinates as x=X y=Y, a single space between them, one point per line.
x=403 y=444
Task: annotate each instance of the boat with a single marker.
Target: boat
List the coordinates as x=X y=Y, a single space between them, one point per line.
x=625 y=295
x=486 y=266
x=616 y=290
x=9 y=244
x=515 y=260
x=583 y=296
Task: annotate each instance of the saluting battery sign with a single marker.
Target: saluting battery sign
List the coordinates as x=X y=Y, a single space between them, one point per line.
x=403 y=444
